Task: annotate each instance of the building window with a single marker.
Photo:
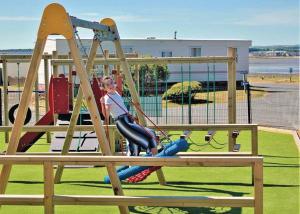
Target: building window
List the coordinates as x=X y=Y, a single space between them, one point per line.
x=195 y=52
x=166 y=54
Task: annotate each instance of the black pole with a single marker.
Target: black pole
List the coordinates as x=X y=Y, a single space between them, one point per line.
x=0 y=107
x=249 y=103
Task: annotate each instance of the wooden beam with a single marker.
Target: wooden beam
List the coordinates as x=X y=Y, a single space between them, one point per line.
x=258 y=187
x=70 y=75
x=167 y=201
x=189 y=161
x=153 y=60
x=131 y=86
x=37 y=99
x=22 y=110
x=106 y=66
x=48 y=188
x=231 y=86
x=30 y=200
x=179 y=154
x=46 y=73
x=5 y=97
x=95 y=116
x=75 y=113
x=179 y=127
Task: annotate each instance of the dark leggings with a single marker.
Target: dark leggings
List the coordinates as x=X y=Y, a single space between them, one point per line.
x=134 y=133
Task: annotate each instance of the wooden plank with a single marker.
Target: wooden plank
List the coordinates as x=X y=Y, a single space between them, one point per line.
x=70 y=79
x=48 y=188
x=46 y=74
x=190 y=161
x=172 y=201
x=179 y=154
x=75 y=113
x=254 y=140
x=153 y=60
x=27 y=57
x=55 y=74
x=258 y=187
x=37 y=99
x=95 y=116
x=21 y=113
x=106 y=66
x=231 y=87
x=179 y=127
x=5 y=97
x=30 y=200
x=181 y=201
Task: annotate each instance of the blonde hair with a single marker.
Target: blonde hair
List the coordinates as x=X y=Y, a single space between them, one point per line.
x=106 y=79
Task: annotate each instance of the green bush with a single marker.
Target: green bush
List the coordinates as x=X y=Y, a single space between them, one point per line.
x=177 y=90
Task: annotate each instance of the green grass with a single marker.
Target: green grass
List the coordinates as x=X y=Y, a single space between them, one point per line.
x=281 y=180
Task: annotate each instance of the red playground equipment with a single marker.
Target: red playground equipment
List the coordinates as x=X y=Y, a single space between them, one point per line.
x=59 y=89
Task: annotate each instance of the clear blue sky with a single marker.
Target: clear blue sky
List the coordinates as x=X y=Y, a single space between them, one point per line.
x=265 y=22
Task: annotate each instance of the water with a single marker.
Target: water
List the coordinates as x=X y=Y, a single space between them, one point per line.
x=274 y=65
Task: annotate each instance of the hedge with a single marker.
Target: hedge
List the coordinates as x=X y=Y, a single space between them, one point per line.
x=177 y=90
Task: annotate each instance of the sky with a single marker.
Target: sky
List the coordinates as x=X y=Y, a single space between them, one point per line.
x=265 y=22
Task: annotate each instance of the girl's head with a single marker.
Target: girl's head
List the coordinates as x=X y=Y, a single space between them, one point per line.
x=108 y=84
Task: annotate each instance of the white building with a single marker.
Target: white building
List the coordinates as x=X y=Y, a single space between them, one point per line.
x=164 y=48
x=180 y=48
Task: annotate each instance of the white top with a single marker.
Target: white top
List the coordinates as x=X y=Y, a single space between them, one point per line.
x=117 y=106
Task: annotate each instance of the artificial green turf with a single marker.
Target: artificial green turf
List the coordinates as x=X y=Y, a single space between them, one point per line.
x=281 y=180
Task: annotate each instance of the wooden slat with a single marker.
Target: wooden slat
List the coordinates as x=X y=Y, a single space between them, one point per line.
x=177 y=201
x=46 y=74
x=95 y=117
x=5 y=97
x=231 y=86
x=142 y=161
x=21 y=113
x=142 y=153
x=31 y=200
x=75 y=113
x=179 y=127
x=258 y=187
x=156 y=60
x=172 y=201
x=48 y=188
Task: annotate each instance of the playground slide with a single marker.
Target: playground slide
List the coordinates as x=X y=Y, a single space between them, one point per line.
x=170 y=150
x=29 y=138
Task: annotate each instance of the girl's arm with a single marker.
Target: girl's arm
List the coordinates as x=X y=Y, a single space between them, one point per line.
x=106 y=110
x=106 y=113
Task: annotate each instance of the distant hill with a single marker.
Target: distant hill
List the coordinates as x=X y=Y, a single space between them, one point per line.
x=289 y=48
x=16 y=51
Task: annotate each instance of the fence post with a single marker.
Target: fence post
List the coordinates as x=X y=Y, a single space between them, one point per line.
x=0 y=107
x=5 y=97
x=36 y=99
x=190 y=98
x=258 y=187
x=46 y=71
x=248 y=89
x=231 y=81
x=48 y=188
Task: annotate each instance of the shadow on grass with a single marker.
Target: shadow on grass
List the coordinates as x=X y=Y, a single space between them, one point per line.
x=183 y=210
x=283 y=165
x=279 y=156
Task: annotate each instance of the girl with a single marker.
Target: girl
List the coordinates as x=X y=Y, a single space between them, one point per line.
x=134 y=133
